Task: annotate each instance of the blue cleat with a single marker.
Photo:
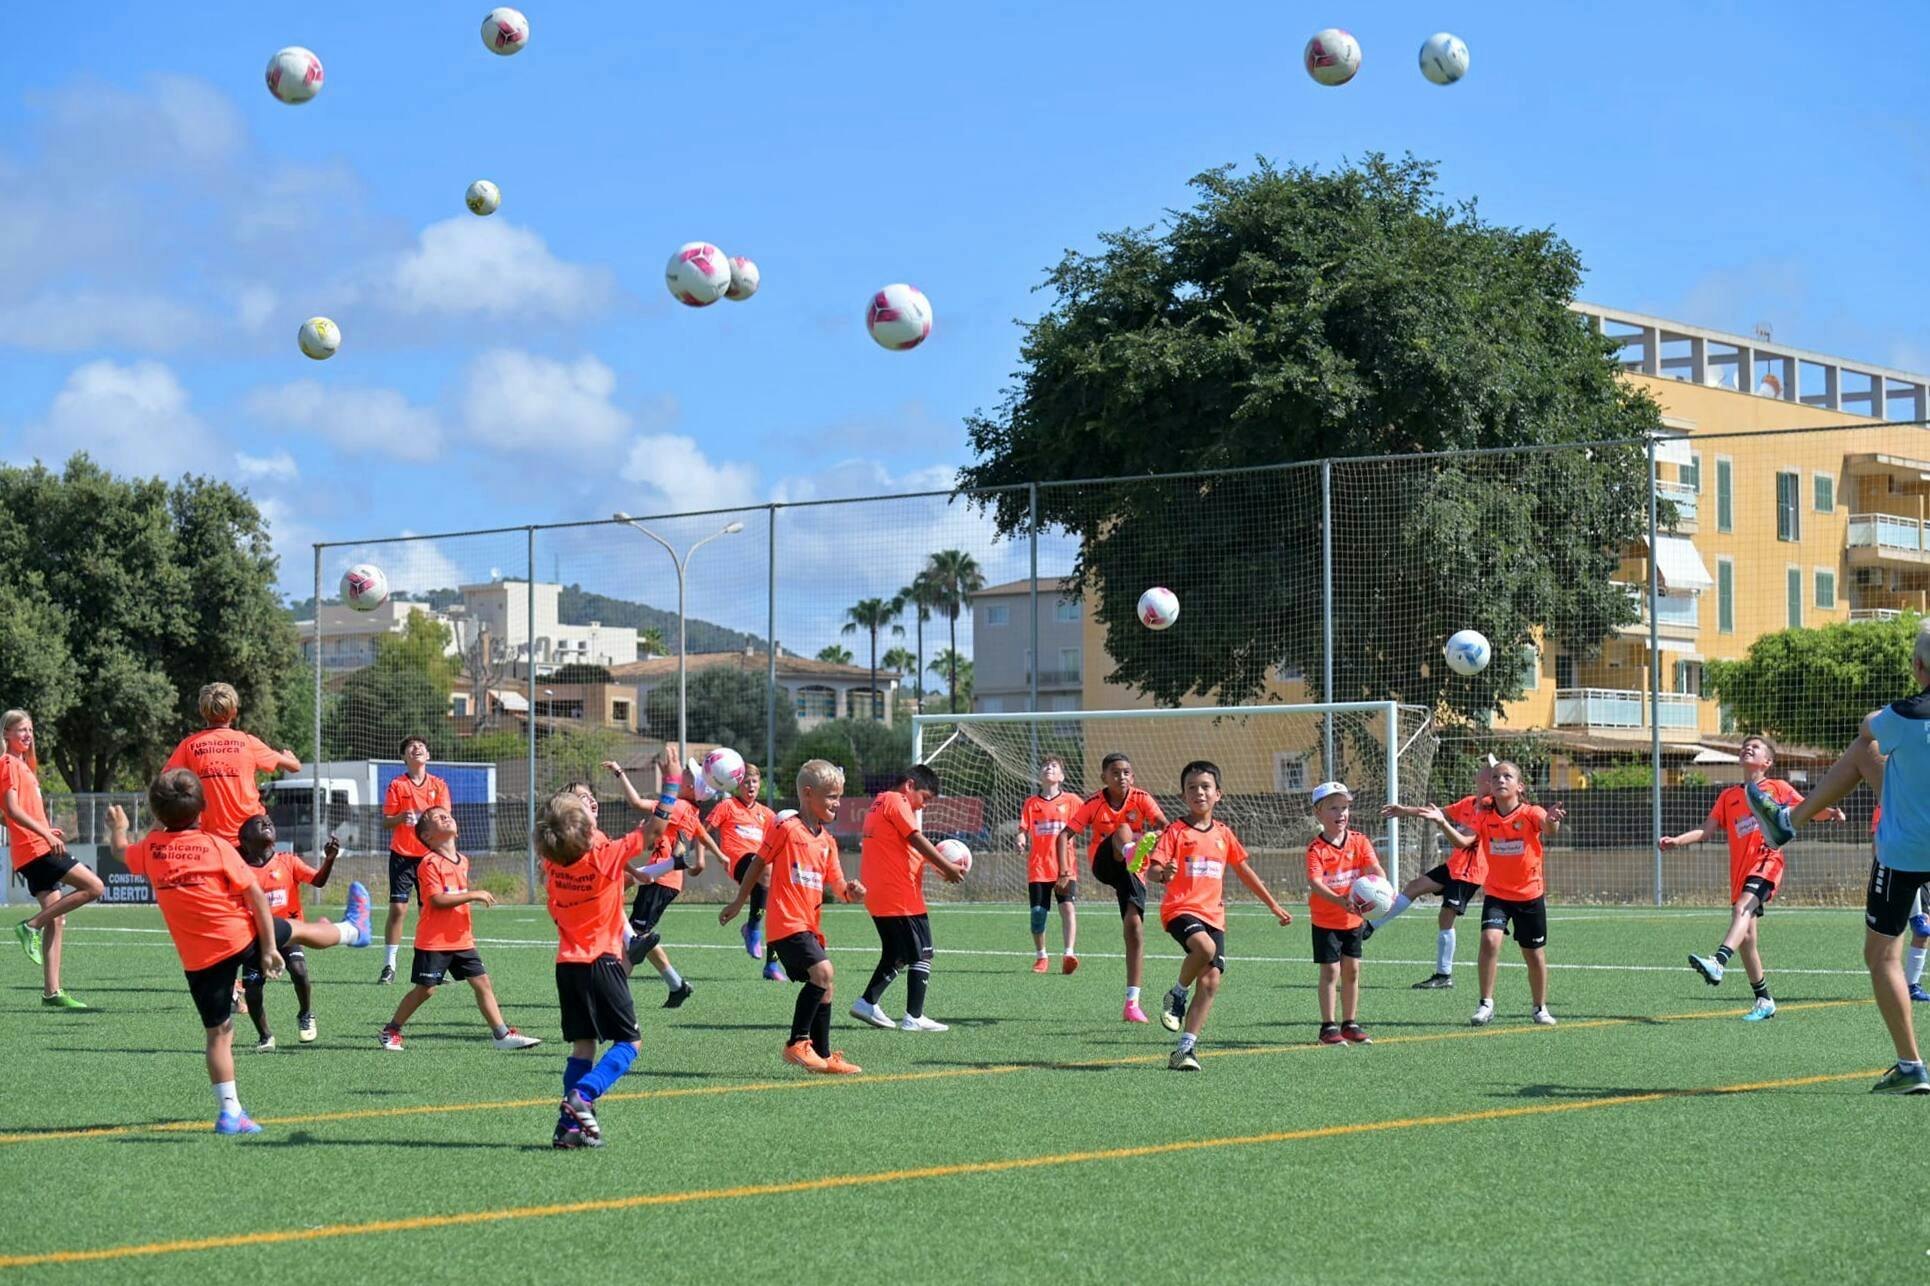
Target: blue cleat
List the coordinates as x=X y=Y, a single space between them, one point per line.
x=1709 y=967
x=235 y=1123
x=1918 y=994
x=1920 y=925
x=1772 y=816
x=773 y=971
x=357 y=912
x=754 y=941
x=1898 y=1081
x=1765 y=1008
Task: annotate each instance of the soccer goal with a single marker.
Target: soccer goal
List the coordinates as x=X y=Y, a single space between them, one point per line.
x=1271 y=757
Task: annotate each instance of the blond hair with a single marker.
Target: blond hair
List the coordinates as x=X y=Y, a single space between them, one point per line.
x=220 y=703
x=563 y=829
x=816 y=774
x=13 y=719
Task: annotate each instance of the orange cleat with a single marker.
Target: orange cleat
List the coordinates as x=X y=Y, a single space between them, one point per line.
x=1069 y=964
x=800 y=1054
x=838 y=1065
x=1038 y=966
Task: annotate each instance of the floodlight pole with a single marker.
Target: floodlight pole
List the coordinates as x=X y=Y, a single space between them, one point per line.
x=682 y=563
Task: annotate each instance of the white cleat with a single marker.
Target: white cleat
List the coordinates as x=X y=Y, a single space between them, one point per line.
x=1543 y=1018
x=513 y=1039
x=1483 y=1014
x=920 y=1023
x=866 y=1012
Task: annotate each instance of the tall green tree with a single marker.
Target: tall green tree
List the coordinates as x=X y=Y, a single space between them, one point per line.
x=728 y=706
x=918 y=599
x=1292 y=314
x=159 y=588
x=869 y=752
x=957 y=672
x=1812 y=687
x=835 y=653
x=873 y=616
x=405 y=693
x=650 y=643
x=953 y=577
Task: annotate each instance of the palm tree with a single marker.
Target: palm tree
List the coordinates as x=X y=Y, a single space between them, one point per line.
x=835 y=653
x=872 y=615
x=955 y=576
x=920 y=597
x=959 y=668
x=650 y=643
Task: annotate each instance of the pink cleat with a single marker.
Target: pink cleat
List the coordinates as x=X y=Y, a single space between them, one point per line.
x=1133 y=1013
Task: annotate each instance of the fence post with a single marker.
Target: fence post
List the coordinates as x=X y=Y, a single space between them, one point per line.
x=1328 y=770
x=315 y=764
x=1032 y=535
x=770 y=668
x=529 y=634
x=1655 y=684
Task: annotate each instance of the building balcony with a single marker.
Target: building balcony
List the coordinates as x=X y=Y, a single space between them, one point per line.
x=1875 y=613
x=1060 y=679
x=1686 y=499
x=1677 y=616
x=1886 y=540
x=1624 y=710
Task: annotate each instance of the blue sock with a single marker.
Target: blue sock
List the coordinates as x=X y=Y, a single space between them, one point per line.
x=608 y=1068
x=574 y=1070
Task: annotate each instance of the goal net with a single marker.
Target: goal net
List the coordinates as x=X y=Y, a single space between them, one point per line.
x=1270 y=758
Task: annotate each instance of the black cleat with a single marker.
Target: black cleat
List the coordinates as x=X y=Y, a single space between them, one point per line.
x=675 y=999
x=582 y=1118
x=386 y=977
x=1435 y=982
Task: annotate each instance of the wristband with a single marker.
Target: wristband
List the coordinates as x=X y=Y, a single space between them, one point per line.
x=668 y=799
x=663 y=810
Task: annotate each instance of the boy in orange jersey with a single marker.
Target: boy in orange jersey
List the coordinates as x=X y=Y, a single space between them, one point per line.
x=1191 y=860
x=1457 y=879
x=227 y=760
x=219 y=920
x=1337 y=857
x=409 y=796
x=1049 y=865
x=1510 y=835
x=1754 y=869
x=801 y=854
x=681 y=846
x=280 y=877
x=1118 y=818
x=445 y=941
x=892 y=864
x=40 y=858
x=740 y=823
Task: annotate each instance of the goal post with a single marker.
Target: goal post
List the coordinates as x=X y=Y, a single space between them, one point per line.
x=1270 y=758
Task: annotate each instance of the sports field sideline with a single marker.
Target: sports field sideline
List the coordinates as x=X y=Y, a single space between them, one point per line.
x=1650 y=1116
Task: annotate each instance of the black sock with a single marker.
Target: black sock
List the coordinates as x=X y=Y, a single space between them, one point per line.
x=1723 y=954
x=1760 y=986
x=757 y=906
x=915 y=983
x=810 y=999
x=880 y=979
x=821 y=1029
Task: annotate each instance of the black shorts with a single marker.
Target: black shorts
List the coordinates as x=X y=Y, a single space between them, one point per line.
x=797 y=954
x=1329 y=945
x=433 y=968
x=594 y=996
x=1126 y=886
x=1455 y=894
x=1763 y=888
x=1530 y=919
x=1891 y=898
x=742 y=864
x=652 y=901
x=1039 y=893
x=213 y=987
x=1184 y=927
x=45 y=873
x=401 y=876
x=903 y=940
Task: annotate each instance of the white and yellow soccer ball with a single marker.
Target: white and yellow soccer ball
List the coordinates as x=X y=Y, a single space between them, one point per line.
x=1333 y=56
x=899 y=317
x=294 y=74
x=319 y=338
x=744 y=279
x=365 y=587
x=1158 y=608
x=955 y=852
x=1371 y=896
x=505 y=31
x=1468 y=652
x=1444 y=58
x=698 y=274
x=483 y=197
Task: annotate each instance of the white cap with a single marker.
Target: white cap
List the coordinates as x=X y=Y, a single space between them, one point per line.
x=1327 y=788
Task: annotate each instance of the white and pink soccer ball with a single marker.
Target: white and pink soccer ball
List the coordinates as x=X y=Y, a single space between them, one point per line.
x=365 y=587
x=1158 y=608
x=505 y=31
x=698 y=274
x=1333 y=56
x=744 y=279
x=294 y=74
x=899 y=317
x=723 y=768
x=955 y=852
x=1371 y=896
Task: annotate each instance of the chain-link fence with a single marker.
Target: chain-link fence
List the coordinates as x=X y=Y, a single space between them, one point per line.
x=1620 y=583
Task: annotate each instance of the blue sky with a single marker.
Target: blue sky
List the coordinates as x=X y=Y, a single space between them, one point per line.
x=168 y=225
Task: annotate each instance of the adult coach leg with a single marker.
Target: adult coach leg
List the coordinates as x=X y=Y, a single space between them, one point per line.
x=1891 y=897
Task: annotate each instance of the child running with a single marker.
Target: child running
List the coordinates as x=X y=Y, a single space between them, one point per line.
x=409 y=796
x=892 y=865
x=445 y=941
x=40 y=858
x=219 y=920
x=1049 y=865
x=1755 y=870
x=227 y=761
x=1457 y=879
x=802 y=856
x=1191 y=860
x=281 y=876
x=740 y=823
x=1117 y=819
x=1337 y=857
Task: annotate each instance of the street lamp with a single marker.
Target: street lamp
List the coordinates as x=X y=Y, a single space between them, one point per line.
x=683 y=563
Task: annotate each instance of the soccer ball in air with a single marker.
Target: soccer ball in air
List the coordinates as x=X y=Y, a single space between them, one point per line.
x=294 y=75
x=1468 y=652
x=899 y=317
x=1370 y=895
x=1444 y=58
x=505 y=31
x=1158 y=608
x=365 y=587
x=955 y=852
x=319 y=338
x=723 y=768
x=1333 y=56
x=744 y=279
x=483 y=197
x=698 y=274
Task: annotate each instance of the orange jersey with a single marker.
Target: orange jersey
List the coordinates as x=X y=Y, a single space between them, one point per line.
x=803 y=866
x=684 y=824
x=17 y=775
x=226 y=760
x=202 y=886
x=404 y=796
x=1338 y=866
x=443 y=928
x=893 y=875
x=1199 y=859
x=1512 y=844
x=281 y=878
x=740 y=827
x=586 y=899
x=1045 y=820
x=1099 y=819
x=1747 y=854
x=1468 y=864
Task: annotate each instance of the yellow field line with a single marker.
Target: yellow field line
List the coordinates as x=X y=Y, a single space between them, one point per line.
x=888 y=1078
x=831 y=1182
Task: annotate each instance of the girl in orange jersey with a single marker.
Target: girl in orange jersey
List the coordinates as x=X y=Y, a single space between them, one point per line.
x=40 y=858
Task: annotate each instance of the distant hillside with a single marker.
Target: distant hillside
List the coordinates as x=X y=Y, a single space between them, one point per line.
x=579 y=607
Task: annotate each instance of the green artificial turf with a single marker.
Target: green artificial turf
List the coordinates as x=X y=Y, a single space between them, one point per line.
x=1791 y=1182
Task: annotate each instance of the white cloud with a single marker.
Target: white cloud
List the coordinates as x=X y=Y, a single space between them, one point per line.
x=676 y=468
x=412 y=565
x=516 y=399
x=133 y=419
x=66 y=322
x=488 y=267
x=350 y=419
x=279 y=467
x=255 y=307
